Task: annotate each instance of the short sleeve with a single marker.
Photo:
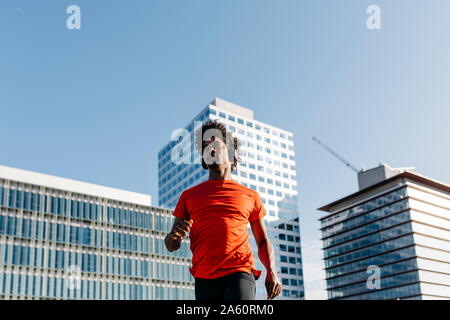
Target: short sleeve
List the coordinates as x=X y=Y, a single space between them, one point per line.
x=180 y=209
x=258 y=210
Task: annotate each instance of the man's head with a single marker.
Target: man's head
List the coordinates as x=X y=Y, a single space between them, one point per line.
x=217 y=146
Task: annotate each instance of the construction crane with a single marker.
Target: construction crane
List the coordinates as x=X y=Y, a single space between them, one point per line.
x=348 y=164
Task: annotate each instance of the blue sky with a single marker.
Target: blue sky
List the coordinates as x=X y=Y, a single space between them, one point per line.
x=97 y=104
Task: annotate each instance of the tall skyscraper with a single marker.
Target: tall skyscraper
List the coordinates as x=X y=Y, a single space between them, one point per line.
x=66 y=239
x=389 y=240
x=268 y=167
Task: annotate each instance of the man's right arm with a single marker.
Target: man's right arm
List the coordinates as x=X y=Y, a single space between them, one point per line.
x=179 y=230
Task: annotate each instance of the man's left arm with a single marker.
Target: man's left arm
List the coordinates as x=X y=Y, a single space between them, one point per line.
x=266 y=254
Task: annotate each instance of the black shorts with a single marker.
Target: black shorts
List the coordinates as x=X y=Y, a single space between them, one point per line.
x=235 y=286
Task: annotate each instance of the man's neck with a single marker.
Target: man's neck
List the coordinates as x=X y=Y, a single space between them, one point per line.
x=220 y=174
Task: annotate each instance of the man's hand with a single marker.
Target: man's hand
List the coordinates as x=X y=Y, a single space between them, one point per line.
x=179 y=230
x=273 y=285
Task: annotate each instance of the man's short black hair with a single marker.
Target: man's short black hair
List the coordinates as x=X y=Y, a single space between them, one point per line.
x=233 y=144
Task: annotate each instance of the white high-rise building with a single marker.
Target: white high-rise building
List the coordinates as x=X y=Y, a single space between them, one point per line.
x=268 y=167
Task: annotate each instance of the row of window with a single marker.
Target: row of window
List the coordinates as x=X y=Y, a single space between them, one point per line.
x=268 y=170
x=292 y=271
x=263 y=179
x=363 y=275
x=384 y=282
x=288 y=227
x=70 y=234
x=18 y=199
x=370 y=251
x=367 y=240
x=288 y=259
x=400 y=254
x=338 y=229
x=249 y=124
x=17 y=255
x=41 y=286
x=366 y=206
x=291 y=282
x=269 y=150
x=291 y=249
x=244 y=153
x=367 y=223
x=289 y=238
x=388 y=293
x=293 y=294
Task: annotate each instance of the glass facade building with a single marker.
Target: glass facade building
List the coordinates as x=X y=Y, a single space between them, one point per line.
x=268 y=167
x=66 y=239
x=390 y=240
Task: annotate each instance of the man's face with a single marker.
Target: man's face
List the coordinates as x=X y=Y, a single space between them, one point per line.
x=215 y=153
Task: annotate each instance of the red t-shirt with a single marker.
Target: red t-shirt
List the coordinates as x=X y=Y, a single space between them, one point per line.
x=220 y=210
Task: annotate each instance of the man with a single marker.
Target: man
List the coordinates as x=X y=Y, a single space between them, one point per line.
x=216 y=214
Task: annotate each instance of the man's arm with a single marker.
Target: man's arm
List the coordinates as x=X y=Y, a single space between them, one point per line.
x=267 y=256
x=179 y=230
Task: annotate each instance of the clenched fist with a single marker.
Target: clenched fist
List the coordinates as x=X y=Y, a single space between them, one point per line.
x=180 y=229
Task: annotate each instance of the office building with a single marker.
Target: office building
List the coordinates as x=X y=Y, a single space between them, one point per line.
x=66 y=239
x=268 y=167
x=390 y=239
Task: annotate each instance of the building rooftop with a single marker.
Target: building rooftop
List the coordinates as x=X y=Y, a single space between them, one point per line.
x=231 y=107
x=383 y=174
x=40 y=179
x=366 y=178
